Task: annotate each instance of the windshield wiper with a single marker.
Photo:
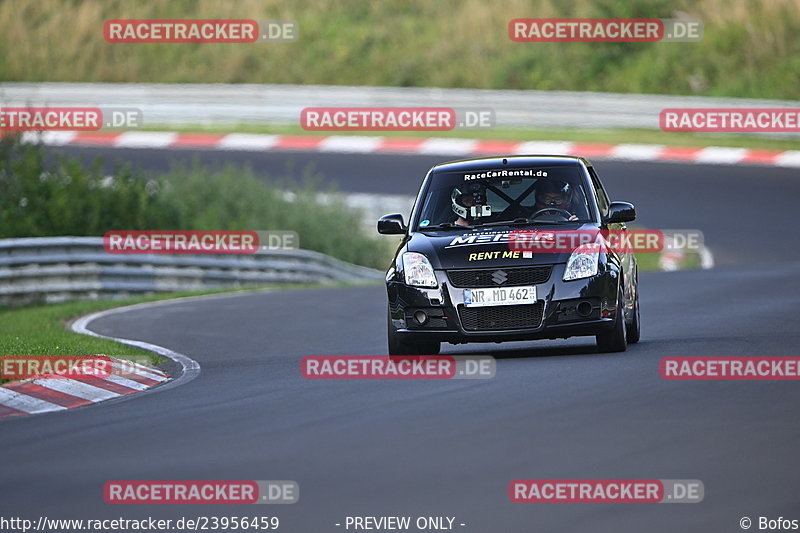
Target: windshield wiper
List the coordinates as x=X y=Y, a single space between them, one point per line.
x=444 y=225
x=507 y=222
x=519 y=222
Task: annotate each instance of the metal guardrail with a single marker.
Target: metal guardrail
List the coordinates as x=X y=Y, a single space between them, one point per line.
x=53 y=269
x=227 y=104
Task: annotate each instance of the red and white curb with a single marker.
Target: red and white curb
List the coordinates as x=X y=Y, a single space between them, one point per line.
x=715 y=155
x=42 y=395
x=58 y=394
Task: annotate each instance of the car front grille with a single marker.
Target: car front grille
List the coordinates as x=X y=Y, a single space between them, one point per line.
x=487 y=277
x=500 y=317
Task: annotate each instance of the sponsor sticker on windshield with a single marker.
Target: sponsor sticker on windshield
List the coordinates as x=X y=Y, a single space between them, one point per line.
x=510 y=173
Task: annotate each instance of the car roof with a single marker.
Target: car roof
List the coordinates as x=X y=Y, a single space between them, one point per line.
x=511 y=161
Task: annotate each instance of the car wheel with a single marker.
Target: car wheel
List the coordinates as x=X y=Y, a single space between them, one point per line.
x=401 y=347
x=615 y=340
x=634 y=330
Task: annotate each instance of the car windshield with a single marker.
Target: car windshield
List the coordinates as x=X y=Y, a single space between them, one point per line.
x=530 y=195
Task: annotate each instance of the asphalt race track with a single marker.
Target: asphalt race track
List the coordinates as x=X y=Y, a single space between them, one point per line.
x=556 y=409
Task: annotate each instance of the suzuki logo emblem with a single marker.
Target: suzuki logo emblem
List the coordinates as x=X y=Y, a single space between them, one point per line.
x=499 y=277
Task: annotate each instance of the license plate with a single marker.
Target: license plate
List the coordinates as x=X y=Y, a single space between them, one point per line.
x=500 y=296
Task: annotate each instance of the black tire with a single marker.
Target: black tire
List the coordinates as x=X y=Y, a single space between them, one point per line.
x=400 y=347
x=635 y=329
x=616 y=339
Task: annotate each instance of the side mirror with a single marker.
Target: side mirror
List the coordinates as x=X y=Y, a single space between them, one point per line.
x=620 y=212
x=391 y=225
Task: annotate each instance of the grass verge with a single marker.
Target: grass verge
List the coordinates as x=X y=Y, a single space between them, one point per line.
x=748 y=48
x=42 y=329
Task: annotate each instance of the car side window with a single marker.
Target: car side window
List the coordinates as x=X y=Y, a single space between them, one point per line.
x=599 y=192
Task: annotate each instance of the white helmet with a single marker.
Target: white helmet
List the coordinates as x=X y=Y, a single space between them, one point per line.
x=457 y=199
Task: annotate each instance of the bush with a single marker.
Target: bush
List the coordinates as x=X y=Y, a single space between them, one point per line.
x=49 y=196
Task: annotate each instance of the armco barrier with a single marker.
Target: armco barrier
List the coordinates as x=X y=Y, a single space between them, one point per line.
x=230 y=104
x=53 y=269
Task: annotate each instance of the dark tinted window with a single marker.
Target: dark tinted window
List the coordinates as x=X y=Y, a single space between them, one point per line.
x=600 y=193
x=495 y=196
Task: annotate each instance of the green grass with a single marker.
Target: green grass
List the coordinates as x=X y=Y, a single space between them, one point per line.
x=749 y=48
x=42 y=330
x=647 y=262
x=613 y=136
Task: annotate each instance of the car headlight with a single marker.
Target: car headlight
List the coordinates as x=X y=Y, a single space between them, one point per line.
x=418 y=270
x=583 y=262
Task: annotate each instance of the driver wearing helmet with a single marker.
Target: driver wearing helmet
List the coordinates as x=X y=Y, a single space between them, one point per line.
x=554 y=194
x=462 y=204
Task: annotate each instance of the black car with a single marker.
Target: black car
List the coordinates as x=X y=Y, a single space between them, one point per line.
x=457 y=277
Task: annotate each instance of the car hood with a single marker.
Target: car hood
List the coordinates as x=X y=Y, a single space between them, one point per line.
x=482 y=247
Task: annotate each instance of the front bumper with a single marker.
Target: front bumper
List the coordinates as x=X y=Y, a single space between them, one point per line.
x=560 y=312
